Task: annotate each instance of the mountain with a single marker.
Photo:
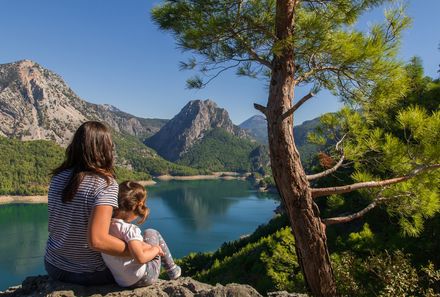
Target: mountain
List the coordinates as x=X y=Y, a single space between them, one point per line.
x=307 y=150
x=256 y=127
x=301 y=131
x=189 y=126
x=35 y=103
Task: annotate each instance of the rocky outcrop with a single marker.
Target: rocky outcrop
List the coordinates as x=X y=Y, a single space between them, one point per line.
x=35 y=103
x=184 y=287
x=190 y=125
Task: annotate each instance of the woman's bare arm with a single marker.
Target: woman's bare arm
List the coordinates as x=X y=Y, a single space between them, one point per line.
x=99 y=237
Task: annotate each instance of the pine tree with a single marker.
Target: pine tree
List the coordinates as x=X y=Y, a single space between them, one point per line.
x=296 y=44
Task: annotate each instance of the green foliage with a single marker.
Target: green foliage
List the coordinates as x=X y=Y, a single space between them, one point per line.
x=361 y=241
x=221 y=151
x=264 y=260
x=402 y=139
x=123 y=174
x=25 y=165
x=385 y=275
x=241 y=35
x=206 y=26
x=267 y=181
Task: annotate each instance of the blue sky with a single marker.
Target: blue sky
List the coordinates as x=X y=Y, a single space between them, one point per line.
x=109 y=51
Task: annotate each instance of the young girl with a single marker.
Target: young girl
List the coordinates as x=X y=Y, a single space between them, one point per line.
x=147 y=251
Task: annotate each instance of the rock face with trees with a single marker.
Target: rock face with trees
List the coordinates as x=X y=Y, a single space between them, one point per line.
x=190 y=125
x=313 y=44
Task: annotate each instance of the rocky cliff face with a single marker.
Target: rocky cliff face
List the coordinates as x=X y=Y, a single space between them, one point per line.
x=35 y=103
x=190 y=125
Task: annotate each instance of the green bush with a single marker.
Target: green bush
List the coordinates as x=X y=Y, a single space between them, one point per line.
x=384 y=274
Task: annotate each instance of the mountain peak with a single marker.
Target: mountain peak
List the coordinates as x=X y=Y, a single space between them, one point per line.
x=25 y=63
x=190 y=125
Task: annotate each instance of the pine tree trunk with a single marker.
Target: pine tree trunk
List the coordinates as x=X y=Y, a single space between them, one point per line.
x=289 y=175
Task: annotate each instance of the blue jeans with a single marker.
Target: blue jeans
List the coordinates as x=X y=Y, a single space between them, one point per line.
x=86 y=279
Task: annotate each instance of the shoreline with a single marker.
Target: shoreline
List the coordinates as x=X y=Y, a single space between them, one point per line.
x=215 y=175
x=34 y=199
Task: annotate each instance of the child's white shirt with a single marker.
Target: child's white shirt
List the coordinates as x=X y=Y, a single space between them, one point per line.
x=126 y=270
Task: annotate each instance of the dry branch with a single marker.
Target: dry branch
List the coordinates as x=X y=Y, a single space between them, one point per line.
x=296 y=106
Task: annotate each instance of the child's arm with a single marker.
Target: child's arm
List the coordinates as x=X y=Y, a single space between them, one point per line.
x=146 y=246
x=142 y=252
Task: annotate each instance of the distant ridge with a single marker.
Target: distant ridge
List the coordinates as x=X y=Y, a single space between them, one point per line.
x=257 y=128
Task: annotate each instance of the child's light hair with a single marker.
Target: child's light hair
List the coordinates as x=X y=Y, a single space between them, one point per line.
x=129 y=198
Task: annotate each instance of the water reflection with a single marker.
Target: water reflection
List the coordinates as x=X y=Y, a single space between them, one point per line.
x=194 y=203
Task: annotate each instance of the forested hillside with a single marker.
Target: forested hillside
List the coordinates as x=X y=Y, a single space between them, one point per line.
x=222 y=151
x=26 y=165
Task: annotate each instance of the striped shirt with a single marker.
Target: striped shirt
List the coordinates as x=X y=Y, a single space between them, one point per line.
x=67 y=246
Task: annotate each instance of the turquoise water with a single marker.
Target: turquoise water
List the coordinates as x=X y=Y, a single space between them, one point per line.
x=191 y=215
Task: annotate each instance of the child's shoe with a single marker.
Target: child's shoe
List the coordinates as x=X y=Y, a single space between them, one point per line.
x=174 y=273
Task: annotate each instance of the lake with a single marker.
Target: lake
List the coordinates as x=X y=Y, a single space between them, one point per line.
x=192 y=216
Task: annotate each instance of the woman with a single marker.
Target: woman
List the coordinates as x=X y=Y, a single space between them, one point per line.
x=81 y=198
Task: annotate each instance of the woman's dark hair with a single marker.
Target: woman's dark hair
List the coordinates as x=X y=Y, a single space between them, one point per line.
x=90 y=152
x=129 y=198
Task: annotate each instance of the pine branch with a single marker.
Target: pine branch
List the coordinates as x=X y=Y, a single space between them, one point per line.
x=319 y=192
x=257 y=58
x=354 y=216
x=334 y=168
x=328 y=171
x=315 y=70
x=223 y=69
x=251 y=52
